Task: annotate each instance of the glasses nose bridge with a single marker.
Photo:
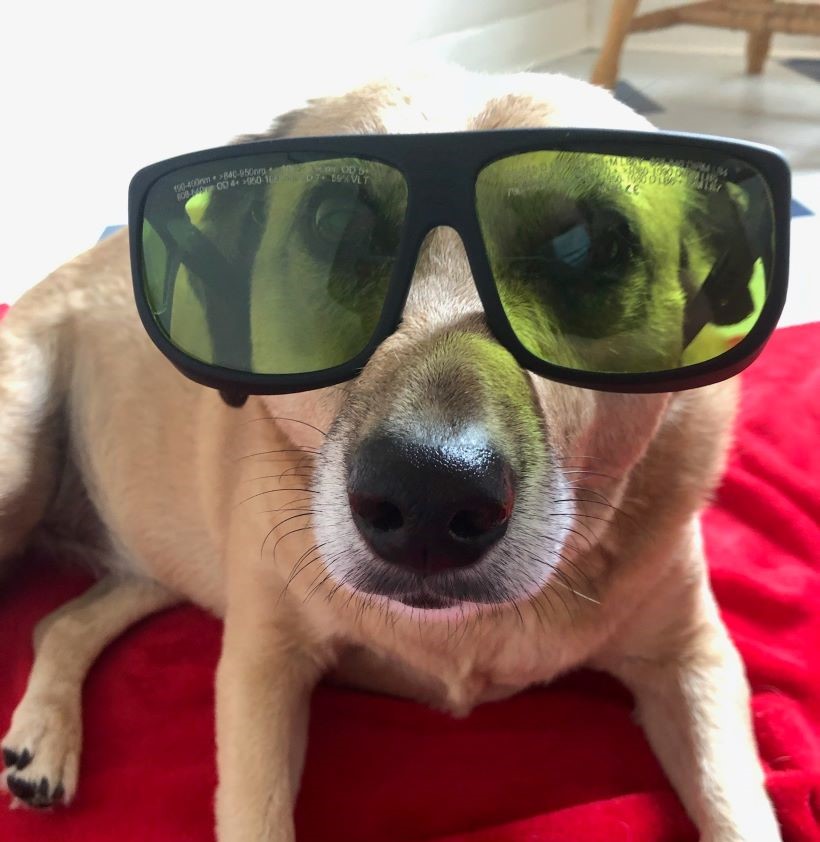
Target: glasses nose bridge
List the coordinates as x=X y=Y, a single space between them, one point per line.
x=442 y=203
x=443 y=199
x=444 y=195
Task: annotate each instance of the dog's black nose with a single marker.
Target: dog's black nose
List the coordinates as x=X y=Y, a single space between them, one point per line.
x=430 y=507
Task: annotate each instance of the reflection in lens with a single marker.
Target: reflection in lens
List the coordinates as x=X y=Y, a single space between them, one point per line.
x=610 y=263
x=271 y=264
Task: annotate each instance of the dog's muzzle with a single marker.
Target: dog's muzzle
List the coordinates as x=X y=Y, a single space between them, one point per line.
x=428 y=507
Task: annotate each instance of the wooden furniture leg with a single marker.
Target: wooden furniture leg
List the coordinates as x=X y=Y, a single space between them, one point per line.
x=760 y=18
x=605 y=71
x=757 y=47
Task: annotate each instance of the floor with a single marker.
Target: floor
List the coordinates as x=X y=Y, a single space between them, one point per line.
x=711 y=94
x=701 y=93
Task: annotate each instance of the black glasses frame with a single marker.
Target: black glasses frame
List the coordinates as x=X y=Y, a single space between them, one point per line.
x=441 y=172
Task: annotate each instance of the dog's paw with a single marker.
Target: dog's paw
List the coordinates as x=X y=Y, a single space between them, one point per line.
x=41 y=754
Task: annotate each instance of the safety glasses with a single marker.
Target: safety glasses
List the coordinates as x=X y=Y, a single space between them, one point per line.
x=621 y=261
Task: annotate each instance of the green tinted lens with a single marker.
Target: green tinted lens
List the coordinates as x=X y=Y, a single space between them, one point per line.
x=272 y=264
x=621 y=264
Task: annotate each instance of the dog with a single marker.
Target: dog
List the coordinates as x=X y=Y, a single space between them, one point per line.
x=107 y=451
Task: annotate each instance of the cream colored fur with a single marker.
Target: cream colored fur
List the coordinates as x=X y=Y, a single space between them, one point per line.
x=236 y=509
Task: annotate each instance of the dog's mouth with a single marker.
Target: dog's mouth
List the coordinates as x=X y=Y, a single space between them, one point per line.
x=463 y=590
x=427 y=601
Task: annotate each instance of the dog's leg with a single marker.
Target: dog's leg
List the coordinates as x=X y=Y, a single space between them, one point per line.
x=692 y=699
x=42 y=748
x=29 y=397
x=264 y=683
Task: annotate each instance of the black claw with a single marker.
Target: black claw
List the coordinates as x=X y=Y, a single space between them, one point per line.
x=43 y=798
x=20 y=788
x=34 y=794
x=13 y=760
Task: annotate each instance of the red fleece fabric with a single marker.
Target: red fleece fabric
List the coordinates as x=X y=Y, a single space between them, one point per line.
x=561 y=764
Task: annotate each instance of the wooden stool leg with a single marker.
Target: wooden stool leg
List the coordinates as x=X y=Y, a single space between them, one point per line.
x=605 y=71
x=757 y=49
x=757 y=45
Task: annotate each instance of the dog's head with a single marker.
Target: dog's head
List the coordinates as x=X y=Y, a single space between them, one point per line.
x=449 y=474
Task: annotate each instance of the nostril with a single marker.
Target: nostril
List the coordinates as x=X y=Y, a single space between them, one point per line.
x=380 y=515
x=471 y=524
x=386 y=517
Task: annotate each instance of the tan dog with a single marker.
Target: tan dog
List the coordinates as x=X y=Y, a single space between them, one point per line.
x=103 y=445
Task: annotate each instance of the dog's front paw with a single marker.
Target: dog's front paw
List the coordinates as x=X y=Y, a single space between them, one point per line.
x=41 y=754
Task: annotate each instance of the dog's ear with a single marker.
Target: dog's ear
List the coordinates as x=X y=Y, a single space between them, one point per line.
x=285 y=125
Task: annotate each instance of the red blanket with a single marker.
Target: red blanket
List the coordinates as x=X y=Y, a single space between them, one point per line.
x=562 y=764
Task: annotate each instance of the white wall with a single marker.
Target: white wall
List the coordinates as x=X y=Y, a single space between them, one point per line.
x=520 y=36
x=93 y=90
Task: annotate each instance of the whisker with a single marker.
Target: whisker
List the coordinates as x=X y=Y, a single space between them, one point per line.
x=300 y=464
x=353 y=592
x=588 y=491
x=604 y=502
x=537 y=608
x=314 y=589
x=568 y=583
x=590 y=473
x=276 y=526
x=577 y=499
x=288 y=472
x=273 y=491
x=305 y=560
x=265 y=476
x=335 y=589
x=313 y=582
x=312 y=451
x=548 y=537
x=545 y=592
x=281 y=537
x=560 y=596
x=580 y=535
x=291 y=532
x=290 y=509
x=518 y=613
x=585 y=526
x=298 y=568
x=578 y=593
x=568 y=561
x=280 y=509
x=282 y=418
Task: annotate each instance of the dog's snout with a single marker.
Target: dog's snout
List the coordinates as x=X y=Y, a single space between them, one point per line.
x=430 y=507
